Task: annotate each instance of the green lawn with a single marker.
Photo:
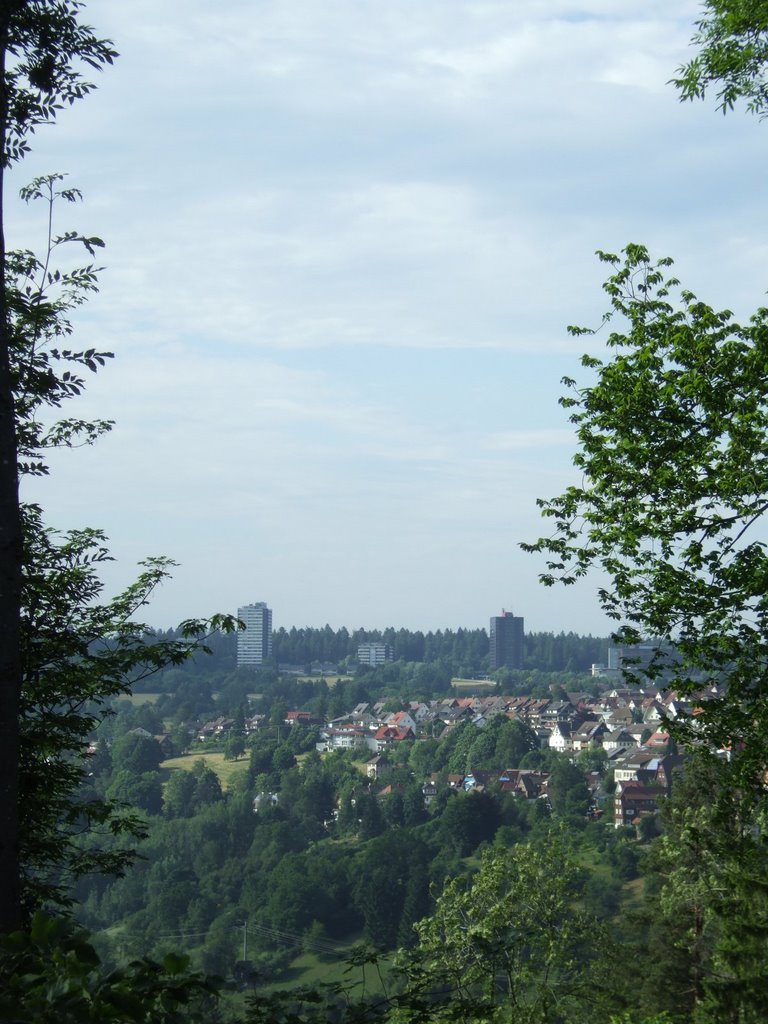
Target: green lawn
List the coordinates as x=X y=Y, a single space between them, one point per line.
x=330 y=680
x=226 y=770
x=137 y=699
x=476 y=685
x=314 y=968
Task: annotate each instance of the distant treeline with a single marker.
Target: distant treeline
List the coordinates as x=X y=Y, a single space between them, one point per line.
x=466 y=649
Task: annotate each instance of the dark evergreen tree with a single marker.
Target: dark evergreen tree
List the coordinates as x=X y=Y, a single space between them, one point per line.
x=370 y=817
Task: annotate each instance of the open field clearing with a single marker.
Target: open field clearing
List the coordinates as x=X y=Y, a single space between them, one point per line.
x=225 y=770
x=313 y=968
x=137 y=699
x=473 y=685
x=330 y=680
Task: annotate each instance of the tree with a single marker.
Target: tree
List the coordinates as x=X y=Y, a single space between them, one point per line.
x=62 y=655
x=52 y=975
x=422 y=757
x=481 y=753
x=414 y=812
x=234 y=748
x=511 y=944
x=567 y=790
x=42 y=48
x=207 y=785
x=673 y=457
x=514 y=740
x=393 y=809
x=283 y=758
x=369 y=815
x=733 y=41
x=390 y=872
x=713 y=903
x=179 y=794
x=592 y=759
x=141 y=790
x=136 y=753
x=468 y=820
x=75 y=653
x=461 y=741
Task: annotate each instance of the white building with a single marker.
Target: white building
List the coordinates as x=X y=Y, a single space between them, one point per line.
x=374 y=654
x=254 y=643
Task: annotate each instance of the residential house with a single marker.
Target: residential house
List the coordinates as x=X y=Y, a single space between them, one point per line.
x=638 y=764
x=378 y=766
x=524 y=782
x=667 y=767
x=620 y=739
x=660 y=738
x=388 y=790
x=558 y=711
x=417 y=710
x=652 y=710
x=401 y=720
x=166 y=744
x=429 y=792
x=478 y=780
x=633 y=801
x=560 y=737
x=298 y=718
x=388 y=736
x=343 y=738
x=215 y=728
x=617 y=717
x=265 y=800
x=589 y=734
x=542 y=737
x=532 y=709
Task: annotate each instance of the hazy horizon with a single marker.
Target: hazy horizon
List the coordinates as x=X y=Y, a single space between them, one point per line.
x=344 y=243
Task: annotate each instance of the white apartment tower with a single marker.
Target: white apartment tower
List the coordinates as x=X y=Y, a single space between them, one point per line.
x=374 y=654
x=254 y=643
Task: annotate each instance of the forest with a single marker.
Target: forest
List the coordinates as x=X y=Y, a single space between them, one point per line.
x=464 y=653
x=182 y=841
x=270 y=864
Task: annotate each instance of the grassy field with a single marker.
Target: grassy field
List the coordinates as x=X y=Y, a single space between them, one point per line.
x=137 y=699
x=311 y=968
x=634 y=892
x=330 y=680
x=362 y=767
x=473 y=685
x=225 y=770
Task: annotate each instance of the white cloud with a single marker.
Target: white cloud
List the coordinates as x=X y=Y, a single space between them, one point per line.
x=344 y=241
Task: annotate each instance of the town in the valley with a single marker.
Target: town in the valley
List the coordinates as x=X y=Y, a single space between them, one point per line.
x=618 y=733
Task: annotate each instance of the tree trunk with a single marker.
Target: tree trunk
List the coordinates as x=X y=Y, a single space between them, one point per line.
x=10 y=572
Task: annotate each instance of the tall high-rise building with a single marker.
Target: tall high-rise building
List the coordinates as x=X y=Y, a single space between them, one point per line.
x=507 y=640
x=254 y=643
x=374 y=654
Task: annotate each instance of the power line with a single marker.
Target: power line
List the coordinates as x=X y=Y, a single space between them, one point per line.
x=294 y=938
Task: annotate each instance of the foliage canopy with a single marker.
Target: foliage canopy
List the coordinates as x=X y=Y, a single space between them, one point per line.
x=43 y=49
x=76 y=653
x=48 y=48
x=672 y=447
x=733 y=40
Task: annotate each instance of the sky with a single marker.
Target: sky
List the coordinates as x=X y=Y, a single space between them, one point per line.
x=343 y=244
